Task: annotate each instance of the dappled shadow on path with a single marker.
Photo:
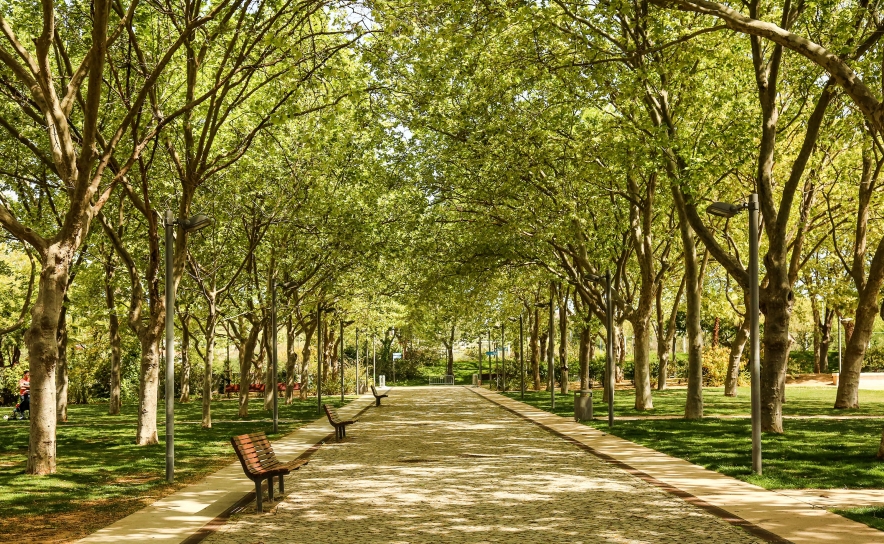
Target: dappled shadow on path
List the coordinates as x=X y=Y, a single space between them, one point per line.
x=447 y=466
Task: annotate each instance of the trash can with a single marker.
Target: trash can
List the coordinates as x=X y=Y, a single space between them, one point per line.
x=382 y=381
x=475 y=380
x=583 y=405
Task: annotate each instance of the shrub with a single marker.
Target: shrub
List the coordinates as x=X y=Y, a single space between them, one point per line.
x=715 y=363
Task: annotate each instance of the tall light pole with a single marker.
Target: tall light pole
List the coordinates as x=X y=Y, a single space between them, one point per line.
x=374 y=361
x=343 y=324
x=728 y=210
x=191 y=224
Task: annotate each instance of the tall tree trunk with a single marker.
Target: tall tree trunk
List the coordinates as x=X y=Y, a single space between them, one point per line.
x=269 y=382
x=208 y=371
x=585 y=356
x=116 y=366
x=563 y=343
x=61 y=375
x=817 y=333
x=306 y=353
x=642 y=364
x=732 y=378
x=291 y=361
x=693 y=298
x=858 y=332
x=450 y=350
x=777 y=309
x=184 y=388
x=246 y=356
x=825 y=334
x=148 y=385
x=535 y=348
x=544 y=336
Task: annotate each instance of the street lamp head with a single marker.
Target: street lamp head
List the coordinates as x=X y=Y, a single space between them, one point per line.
x=513 y=319
x=347 y=323
x=724 y=209
x=195 y=223
x=542 y=305
x=285 y=286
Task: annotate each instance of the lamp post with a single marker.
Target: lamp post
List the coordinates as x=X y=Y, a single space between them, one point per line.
x=374 y=361
x=191 y=224
x=725 y=209
x=341 y=366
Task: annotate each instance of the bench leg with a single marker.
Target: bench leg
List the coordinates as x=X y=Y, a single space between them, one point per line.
x=270 y=488
x=344 y=430
x=377 y=401
x=281 y=485
x=259 y=494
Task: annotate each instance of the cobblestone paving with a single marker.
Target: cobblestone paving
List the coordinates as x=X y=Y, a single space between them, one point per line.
x=444 y=465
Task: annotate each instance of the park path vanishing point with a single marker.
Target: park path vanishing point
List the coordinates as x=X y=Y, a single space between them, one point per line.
x=445 y=465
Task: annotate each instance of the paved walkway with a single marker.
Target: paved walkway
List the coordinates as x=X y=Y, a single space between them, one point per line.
x=181 y=516
x=445 y=465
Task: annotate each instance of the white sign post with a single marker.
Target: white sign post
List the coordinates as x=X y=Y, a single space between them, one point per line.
x=396 y=355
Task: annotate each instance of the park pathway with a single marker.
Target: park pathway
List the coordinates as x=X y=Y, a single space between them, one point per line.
x=445 y=465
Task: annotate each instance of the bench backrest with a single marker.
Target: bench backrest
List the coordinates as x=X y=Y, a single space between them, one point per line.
x=332 y=414
x=254 y=452
x=373 y=390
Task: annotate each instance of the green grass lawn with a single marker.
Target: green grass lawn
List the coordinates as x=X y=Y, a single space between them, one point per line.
x=873 y=516
x=813 y=453
x=102 y=476
x=808 y=401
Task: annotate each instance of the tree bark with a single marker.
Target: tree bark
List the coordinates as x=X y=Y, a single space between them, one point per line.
x=642 y=365
x=208 y=372
x=535 y=348
x=184 y=387
x=449 y=346
x=148 y=385
x=563 y=341
x=246 y=356
x=116 y=367
x=731 y=379
x=42 y=341
x=61 y=376
x=585 y=356
x=306 y=353
x=693 y=297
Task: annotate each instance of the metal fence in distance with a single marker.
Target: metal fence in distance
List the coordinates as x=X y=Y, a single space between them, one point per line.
x=442 y=380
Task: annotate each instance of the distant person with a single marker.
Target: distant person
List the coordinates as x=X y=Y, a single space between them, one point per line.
x=24 y=391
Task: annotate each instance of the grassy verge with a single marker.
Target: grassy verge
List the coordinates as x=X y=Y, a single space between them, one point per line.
x=102 y=476
x=800 y=401
x=813 y=453
x=873 y=516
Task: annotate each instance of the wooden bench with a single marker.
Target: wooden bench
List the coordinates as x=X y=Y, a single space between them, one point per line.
x=335 y=420
x=260 y=463
x=377 y=398
x=258 y=388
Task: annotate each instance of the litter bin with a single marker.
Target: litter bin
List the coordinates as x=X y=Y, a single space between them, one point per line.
x=382 y=380
x=583 y=405
x=475 y=380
